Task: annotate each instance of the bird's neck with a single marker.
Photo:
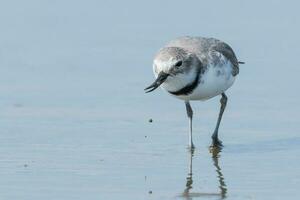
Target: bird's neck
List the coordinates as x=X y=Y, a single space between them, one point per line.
x=183 y=84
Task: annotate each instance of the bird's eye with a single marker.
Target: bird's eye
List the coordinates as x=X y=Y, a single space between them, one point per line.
x=178 y=64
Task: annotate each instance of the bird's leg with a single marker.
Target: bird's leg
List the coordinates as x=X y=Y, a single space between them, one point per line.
x=189 y=112
x=216 y=141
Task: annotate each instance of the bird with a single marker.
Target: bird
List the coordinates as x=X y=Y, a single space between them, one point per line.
x=194 y=68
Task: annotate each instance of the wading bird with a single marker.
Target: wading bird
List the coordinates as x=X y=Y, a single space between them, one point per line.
x=196 y=68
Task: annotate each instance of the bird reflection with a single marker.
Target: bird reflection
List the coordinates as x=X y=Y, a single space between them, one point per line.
x=187 y=194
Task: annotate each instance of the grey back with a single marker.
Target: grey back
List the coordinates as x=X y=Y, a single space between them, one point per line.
x=202 y=46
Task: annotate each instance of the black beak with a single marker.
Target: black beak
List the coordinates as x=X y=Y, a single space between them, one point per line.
x=162 y=76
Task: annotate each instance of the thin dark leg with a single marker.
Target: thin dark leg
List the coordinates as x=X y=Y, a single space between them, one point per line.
x=216 y=141
x=189 y=112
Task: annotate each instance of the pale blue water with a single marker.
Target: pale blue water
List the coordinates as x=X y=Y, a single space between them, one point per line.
x=74 y=116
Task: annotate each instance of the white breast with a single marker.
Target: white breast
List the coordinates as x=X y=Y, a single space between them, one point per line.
x=216 y=80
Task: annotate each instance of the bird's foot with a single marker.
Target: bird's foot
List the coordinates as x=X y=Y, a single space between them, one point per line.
x=191 y=147
x=215 y=150
x=216 y=147
x=216 y=143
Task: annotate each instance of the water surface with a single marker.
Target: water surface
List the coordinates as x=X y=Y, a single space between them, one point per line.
x=74 y=117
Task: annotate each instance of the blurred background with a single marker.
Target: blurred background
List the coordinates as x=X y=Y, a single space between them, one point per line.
x=74 y=116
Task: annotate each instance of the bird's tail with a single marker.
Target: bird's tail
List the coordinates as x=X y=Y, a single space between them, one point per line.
x=241 y=62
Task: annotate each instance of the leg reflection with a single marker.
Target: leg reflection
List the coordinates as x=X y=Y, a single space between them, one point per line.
x=187 y=194
x=215 y=157
x=189 y=178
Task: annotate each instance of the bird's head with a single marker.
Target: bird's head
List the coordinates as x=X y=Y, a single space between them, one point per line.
x=174 y=68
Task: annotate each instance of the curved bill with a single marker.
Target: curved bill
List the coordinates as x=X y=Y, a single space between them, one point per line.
x=162 y=76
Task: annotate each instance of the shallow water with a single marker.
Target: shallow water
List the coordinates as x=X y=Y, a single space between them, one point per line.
x=74 y=116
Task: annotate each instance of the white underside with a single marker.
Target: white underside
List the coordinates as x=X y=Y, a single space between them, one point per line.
x=215 y=81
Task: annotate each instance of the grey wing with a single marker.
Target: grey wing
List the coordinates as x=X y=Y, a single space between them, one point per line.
x=227 y=51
